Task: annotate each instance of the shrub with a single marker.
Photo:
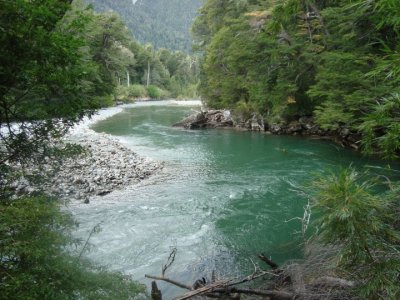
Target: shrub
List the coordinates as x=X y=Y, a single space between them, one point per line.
x=153 y=92
x=164 y=94
x=354 y=216
x=121 y=92
x=137 y=91
x=35 y=264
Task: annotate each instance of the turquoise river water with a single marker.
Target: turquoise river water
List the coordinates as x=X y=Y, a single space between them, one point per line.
x=222 y=197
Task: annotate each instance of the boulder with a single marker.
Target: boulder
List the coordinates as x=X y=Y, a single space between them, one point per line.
x=207 y=119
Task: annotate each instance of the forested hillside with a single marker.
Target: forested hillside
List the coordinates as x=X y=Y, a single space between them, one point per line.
x=163 y=23
x=337 y=61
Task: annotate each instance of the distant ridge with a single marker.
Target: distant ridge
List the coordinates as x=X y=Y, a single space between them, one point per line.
x=163 y=23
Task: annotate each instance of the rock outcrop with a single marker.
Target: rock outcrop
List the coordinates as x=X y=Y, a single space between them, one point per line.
x=207 y=119
x=304 y=126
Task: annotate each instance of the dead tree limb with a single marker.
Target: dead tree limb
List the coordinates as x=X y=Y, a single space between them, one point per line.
x=203 y=290
x=273 y=295
x=178 y=284
x=224 y=285
x=268 y=261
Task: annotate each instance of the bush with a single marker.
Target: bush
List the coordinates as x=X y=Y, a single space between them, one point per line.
x=153 y=92
x=121 y=93
x=244 y=110
x=35 y=264
x=164 y=94
x=353 y=216
x=137 y=91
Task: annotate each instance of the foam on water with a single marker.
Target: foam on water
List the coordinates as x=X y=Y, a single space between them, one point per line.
x=223 y=196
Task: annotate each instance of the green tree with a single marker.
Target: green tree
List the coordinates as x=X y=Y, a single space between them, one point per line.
x=49 y=82
x=45 y=77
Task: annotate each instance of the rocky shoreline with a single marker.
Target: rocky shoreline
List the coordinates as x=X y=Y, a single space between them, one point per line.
x=304 y=126
x=106 y=165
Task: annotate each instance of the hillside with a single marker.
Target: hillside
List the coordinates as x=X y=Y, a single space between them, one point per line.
x=163 y=23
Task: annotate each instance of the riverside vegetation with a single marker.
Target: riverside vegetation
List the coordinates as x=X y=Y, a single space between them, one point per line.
x=59 y=62
x=335 y=61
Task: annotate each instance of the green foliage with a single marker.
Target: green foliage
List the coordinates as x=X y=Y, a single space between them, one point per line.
x=353 y=215
x=244 y=110
x=335 y=60
x=381 y=128
x=47 y=79
x=162 y=23
x=137 y=91
x=121 y=92
x=156 y=93
x=35 y=237
x=331 y=115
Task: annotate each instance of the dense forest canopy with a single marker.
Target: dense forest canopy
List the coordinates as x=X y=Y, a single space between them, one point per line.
x=334 y=60
x=163 y=23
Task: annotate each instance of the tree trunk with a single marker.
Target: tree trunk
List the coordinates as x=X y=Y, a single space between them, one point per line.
x=148 y=73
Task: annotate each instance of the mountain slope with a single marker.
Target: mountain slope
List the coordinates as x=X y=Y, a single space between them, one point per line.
x=163 y=23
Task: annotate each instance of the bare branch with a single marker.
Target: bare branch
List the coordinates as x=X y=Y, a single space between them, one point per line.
x=176 y=283
x=203 y=290
x=268 y=261
x=281 y=295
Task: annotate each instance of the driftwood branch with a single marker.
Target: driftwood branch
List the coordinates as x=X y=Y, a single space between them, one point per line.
x=268 y=261
x=276 y=295
x=203 y=290
x=230 y=287
x=171 y=281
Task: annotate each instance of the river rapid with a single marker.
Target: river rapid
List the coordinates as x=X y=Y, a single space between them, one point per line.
x=222 y=197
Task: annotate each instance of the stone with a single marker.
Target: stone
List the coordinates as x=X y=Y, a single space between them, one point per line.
x=294 y=127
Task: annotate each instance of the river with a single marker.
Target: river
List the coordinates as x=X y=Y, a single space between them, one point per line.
x=222 y=197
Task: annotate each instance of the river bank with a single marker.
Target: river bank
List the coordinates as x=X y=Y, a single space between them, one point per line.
x=104 y=166
x=303 y=126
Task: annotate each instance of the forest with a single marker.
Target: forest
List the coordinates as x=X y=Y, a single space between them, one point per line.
x=333 y=61
x=163 y=23
x=336 y=61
